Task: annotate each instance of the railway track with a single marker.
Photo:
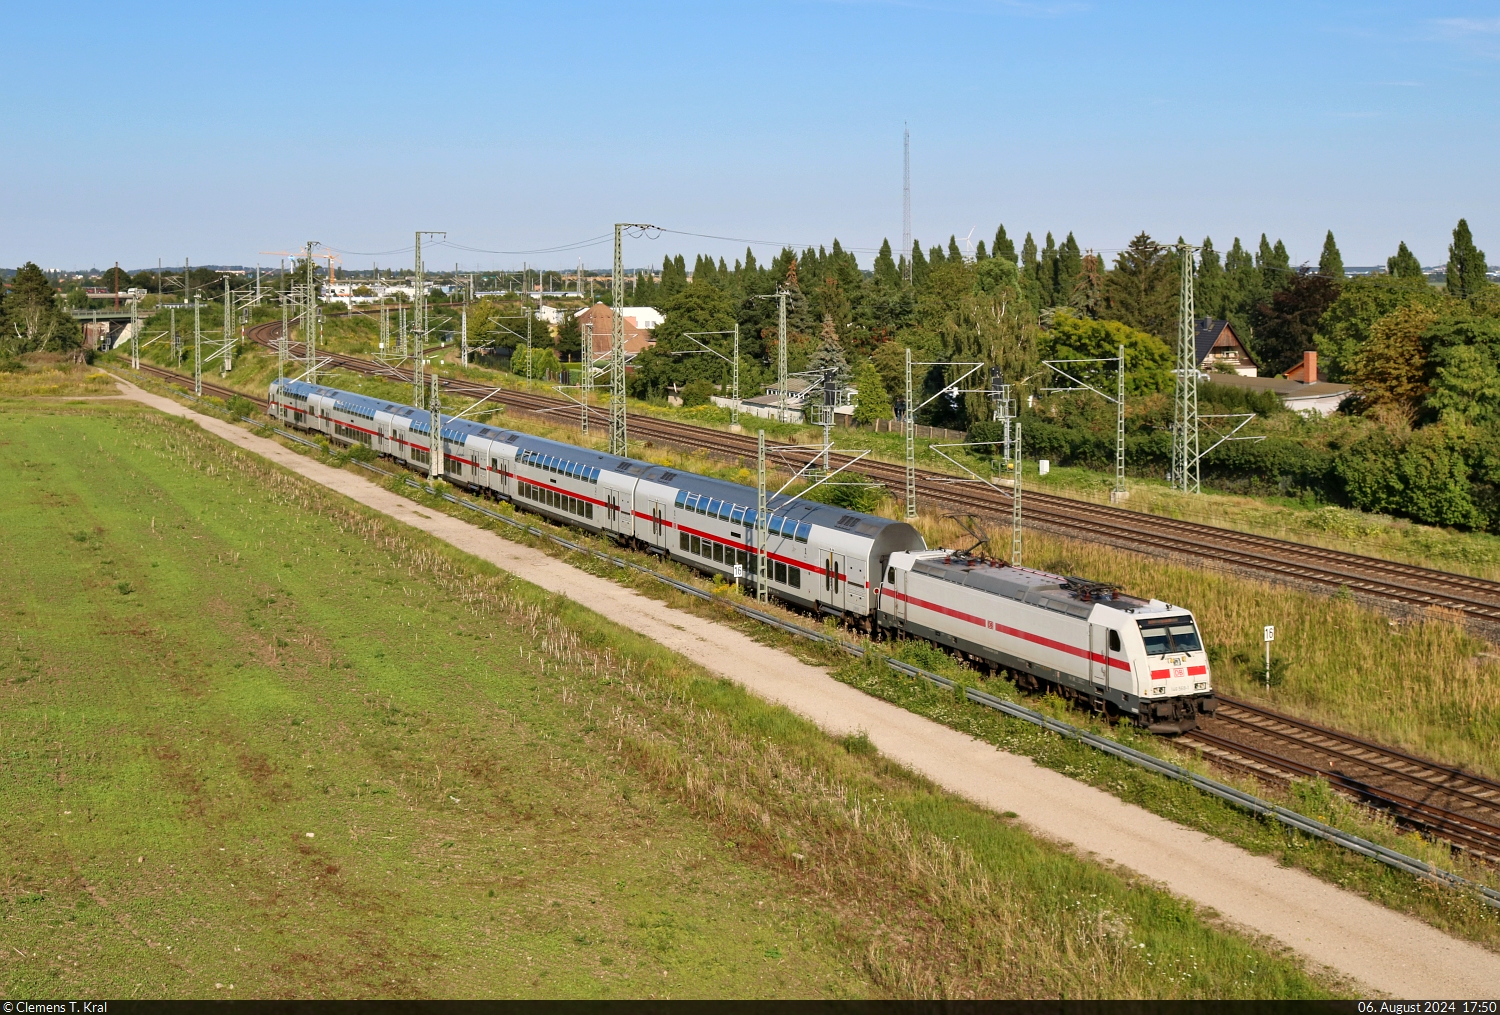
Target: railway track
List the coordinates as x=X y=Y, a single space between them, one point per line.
x=1438 y=800
x=1387 y=582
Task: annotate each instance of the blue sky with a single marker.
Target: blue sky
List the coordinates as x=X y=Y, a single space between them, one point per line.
x=215 y=133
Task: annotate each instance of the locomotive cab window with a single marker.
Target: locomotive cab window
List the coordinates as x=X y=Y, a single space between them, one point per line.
x=1114 y=641
x=1170 y=634
x=890 y=575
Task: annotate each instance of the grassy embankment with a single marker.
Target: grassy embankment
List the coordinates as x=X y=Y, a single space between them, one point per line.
x=51 y=375
x=505 y=794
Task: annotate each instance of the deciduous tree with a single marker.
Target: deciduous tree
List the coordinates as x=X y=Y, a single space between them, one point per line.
x=1404 y=264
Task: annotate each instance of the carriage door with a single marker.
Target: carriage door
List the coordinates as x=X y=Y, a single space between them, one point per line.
x=657 y=512
x=833 y=579
x=1098 y=658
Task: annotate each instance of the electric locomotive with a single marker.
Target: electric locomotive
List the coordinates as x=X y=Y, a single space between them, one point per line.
x=1140 y=658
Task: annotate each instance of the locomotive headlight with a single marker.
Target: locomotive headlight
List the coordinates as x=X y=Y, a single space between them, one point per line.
x=1201 y=685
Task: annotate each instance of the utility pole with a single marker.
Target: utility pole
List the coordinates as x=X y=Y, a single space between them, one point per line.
x=197 y=351
x=781 y=380
x=1015 y=504
x=762 y=523
x=228 y=325
x=909 y=427
x=385 y=329
x=1185 y=398
x=257 y=282
x=176 y=342
x=310 y=318
x=586 y=382
x=405 y=345
x=906 y=202
x=435 y=422
x=618 y=430
x=1120 y=494
x=135 y=334
x=734 y=373
x=463 y=334
x=187 y=283
x=529 y=359
x=418 y=324
x=281 y=340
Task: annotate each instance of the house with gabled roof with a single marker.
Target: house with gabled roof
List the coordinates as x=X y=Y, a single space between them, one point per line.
x=1217 y=347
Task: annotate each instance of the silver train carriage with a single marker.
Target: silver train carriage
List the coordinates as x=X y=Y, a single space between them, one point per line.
x=1140 y=658
x=819 y=557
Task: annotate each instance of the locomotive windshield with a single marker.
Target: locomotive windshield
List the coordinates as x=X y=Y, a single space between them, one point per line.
x=1170 y=634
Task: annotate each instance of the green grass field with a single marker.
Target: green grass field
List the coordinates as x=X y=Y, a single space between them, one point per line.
x=256 y=737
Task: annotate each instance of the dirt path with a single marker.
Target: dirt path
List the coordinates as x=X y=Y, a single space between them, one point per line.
x=1358 y=939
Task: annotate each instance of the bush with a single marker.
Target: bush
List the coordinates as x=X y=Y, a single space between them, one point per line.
x=850 y=491
x=697 y=393
x=239 y=405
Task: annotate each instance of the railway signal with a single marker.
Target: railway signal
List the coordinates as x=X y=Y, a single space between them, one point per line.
x=1269 y=636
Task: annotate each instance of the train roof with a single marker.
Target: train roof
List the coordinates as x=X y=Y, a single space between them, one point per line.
x=459 y=430
x=1066 y=593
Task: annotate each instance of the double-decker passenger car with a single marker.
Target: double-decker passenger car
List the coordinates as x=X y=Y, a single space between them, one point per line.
x=818 y=557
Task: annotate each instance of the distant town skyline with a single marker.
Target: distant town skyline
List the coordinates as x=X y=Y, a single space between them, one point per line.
x=206 y=134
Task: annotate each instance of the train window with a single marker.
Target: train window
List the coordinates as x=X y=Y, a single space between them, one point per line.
x=681 y=497
x=718 y=553
x=742 y=558
x=1170 y=634
x=737 y=515
x=691 y=504
x=695 y=546
x=804 y=529
x=890 y=575
x=774 y=526
x=794 y=576
x=682 y=541
x=1114 y=641
x=588 y=510
x=781 y=572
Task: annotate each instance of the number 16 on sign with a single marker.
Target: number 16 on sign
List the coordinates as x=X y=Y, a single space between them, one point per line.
x=1270 y=636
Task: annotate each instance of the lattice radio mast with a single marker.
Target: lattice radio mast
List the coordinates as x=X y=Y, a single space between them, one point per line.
x=906 y=201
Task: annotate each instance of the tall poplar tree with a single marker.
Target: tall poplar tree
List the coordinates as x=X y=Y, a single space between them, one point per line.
x=919 y=265
x=1004 y=246
x=1466 y=265
x=1331 y=262
x=885 y=268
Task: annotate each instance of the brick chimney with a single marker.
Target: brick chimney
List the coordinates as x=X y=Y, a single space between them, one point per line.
x=1310 y=367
